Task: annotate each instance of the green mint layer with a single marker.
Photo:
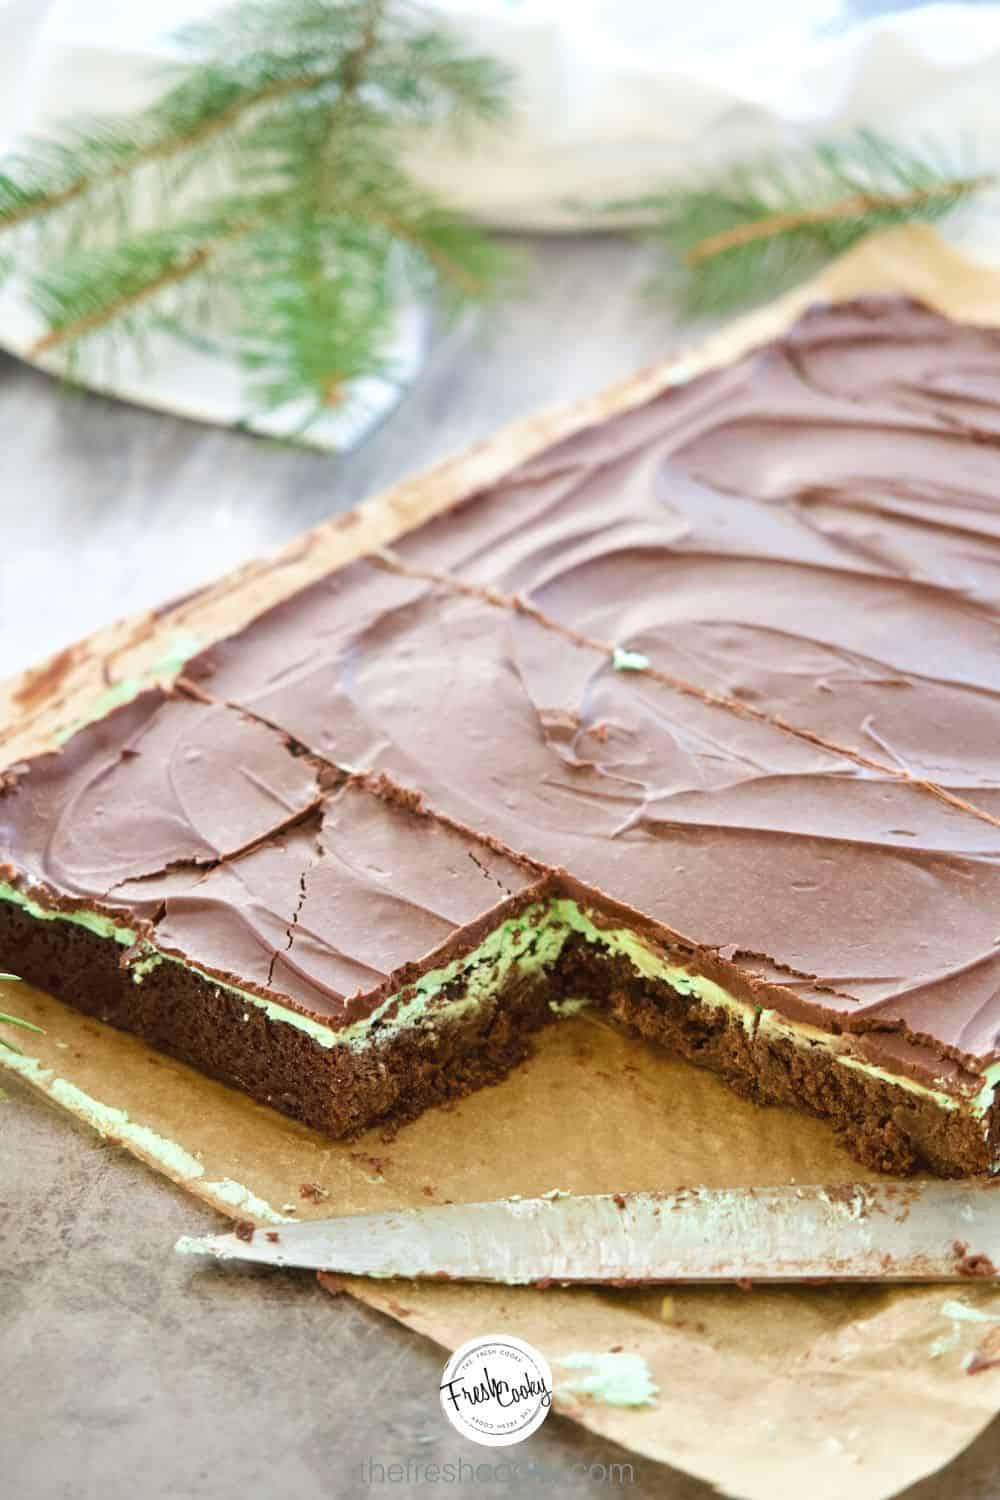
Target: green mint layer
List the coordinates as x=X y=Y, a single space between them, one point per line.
x=180 y=650
x=983 y=1102
x=526 y=944
x=103 y=926
x=116 y=1123
x=618 y=1379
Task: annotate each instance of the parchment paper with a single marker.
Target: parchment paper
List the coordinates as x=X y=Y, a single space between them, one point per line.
x=766 y=1393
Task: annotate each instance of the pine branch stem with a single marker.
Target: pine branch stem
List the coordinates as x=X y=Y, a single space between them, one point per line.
x=188 y=265
x=447 y=268
x=161 y=150
x=353 y=69
x=855 y=206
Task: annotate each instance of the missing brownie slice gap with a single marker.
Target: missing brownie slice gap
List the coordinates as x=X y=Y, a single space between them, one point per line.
x=692 y=718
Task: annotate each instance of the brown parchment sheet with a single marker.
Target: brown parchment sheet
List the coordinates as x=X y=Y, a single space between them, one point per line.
x=767 y=1393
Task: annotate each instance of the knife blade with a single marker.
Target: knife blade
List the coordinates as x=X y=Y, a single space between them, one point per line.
x=891 y=1231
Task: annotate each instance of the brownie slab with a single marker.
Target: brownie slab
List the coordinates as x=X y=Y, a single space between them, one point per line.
x=692 y=718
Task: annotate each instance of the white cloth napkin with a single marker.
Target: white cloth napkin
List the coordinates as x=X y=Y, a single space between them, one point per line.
x=613 y=97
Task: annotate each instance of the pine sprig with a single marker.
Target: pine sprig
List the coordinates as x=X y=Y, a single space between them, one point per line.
x=73 y=296
x=319 y=311
x=93 y=154
x=767 y=223
x=262 y=194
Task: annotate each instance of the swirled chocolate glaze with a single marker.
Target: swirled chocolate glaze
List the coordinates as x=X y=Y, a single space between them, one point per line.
x=159 y=783
x=203 y=830
x=731 y=661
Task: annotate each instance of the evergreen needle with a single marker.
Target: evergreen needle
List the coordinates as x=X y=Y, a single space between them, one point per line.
x=145 y=146
x=143 y=286
x=6 y=1020
x=769 y=222
x=856 y=207
x=17 y=1021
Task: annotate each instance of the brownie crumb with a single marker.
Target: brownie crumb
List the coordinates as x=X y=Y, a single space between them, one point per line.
x=401 y=796
x=313 y=1191
x=976 y=1265
x=42 y=682
x=376 y=1164
x=328 y=777
x=244 y=1229
x=10 y=778
x=273 y=1236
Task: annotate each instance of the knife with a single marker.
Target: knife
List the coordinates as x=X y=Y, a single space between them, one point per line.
x=886 y=1231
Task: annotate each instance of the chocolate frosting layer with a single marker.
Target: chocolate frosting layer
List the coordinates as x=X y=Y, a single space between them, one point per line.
x=732 y=660
x=330 y=912
x=159 y=782
x=812 y=534
x=207 y=832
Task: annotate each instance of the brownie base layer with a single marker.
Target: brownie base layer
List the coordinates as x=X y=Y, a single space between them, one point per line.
x=336 y=1090
x=882 y=1124
x=341 y=1090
